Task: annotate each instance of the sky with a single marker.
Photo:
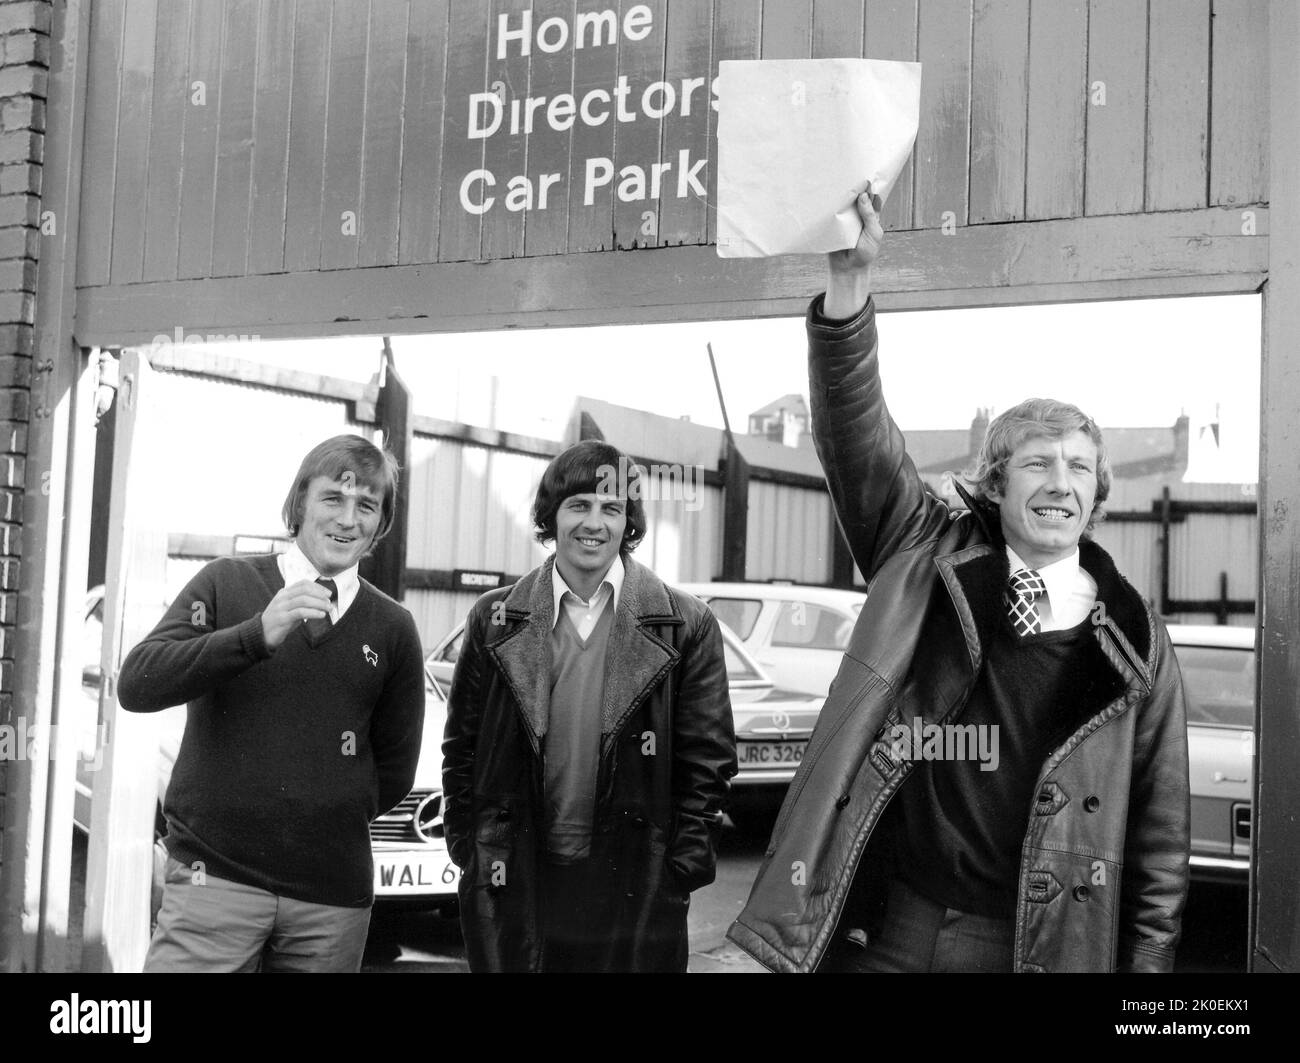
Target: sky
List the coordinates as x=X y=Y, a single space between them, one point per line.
x=1129 y=363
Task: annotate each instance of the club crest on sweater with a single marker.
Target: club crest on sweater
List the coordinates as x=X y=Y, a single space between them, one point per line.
x=370 y=656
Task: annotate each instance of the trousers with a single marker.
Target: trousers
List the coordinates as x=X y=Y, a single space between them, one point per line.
x=212 y=924
x=922 y=936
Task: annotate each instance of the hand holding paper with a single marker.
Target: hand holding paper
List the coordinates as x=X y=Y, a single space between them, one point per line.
x=850 y=279
x=798 y=139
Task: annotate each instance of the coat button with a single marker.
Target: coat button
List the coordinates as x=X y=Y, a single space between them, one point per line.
x=842 y=802
x=1091 y=803
x=504 y=814
x=1081 y=893
x=638 y=820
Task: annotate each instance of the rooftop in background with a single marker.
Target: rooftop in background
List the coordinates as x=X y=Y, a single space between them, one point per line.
x=1135 y=453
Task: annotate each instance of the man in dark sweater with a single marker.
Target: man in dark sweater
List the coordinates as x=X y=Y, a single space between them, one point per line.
x=305 y=688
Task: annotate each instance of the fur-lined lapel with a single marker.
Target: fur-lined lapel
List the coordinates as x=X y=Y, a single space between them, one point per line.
x=1124 y=606
x=975 y=578
x=524 y=654
x=637 y=659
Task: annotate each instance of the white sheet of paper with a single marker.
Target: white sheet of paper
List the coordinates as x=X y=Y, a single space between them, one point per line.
x=798 y=139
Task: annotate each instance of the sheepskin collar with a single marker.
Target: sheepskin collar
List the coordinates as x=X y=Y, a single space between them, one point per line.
x=636 y=660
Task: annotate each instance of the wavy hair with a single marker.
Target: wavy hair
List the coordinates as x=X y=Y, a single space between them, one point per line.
x=1027 y=420
x=333 y=457
x=590 y=467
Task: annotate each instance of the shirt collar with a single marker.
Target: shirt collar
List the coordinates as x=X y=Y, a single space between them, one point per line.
x=613 y=580
x=295 y=566
x=1060 y=577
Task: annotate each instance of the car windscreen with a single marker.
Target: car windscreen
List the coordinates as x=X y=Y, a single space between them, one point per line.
x=1219 y=685
x=739 y=614
x=451 y=652
x=738 y=669
x=804 y=626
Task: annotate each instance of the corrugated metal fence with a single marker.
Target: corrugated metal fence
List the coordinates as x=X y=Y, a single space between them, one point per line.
x=472 y=489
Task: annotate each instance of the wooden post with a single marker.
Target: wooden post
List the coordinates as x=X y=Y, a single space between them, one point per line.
x=1165 y=522
x=1275 y=842
x=105 y=428
x=735 y=514
x=386 y=567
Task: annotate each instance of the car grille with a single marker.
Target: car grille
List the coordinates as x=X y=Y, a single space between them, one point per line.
x=767 y=726
x=399 y=825
x=1241 y=822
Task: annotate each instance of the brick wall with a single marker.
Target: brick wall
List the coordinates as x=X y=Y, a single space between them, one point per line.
x=24 y=72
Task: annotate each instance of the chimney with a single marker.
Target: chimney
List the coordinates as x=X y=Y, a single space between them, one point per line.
x=1182 y=434
x=979 y=428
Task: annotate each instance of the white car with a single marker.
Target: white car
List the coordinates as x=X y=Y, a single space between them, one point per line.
x=797 y=633
x=1218 y=666
x=412 y=865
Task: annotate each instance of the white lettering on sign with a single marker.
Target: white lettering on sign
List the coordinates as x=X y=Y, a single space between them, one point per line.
x=519 y=192
x=496 y=112
x=488 y=110
x=593 y=29
x=632 y=185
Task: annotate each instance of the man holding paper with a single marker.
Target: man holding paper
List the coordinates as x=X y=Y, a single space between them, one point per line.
x=1003 y=622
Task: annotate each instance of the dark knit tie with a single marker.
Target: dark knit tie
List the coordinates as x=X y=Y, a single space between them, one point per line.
x=319 y=627
x=1023 y=590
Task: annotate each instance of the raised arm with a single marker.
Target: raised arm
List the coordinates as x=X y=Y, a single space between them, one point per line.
x=880 y=500
x=187 y=654
x=192 y=649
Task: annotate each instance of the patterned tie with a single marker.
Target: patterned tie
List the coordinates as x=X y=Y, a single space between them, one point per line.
x=1023 y=590
x=319 y=627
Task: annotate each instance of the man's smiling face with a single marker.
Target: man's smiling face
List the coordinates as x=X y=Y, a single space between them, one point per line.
x=588 y=532
x=1047 y=500
x=339 y=521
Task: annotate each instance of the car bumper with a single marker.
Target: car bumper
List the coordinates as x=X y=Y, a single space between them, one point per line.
x=1219 y=869
x=759 y=777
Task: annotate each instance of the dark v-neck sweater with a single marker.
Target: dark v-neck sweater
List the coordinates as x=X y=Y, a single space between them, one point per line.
x=963 y=826
x=287 y=755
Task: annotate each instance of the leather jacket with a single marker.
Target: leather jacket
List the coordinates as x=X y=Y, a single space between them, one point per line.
x=1104 y=862
x=668 y=751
